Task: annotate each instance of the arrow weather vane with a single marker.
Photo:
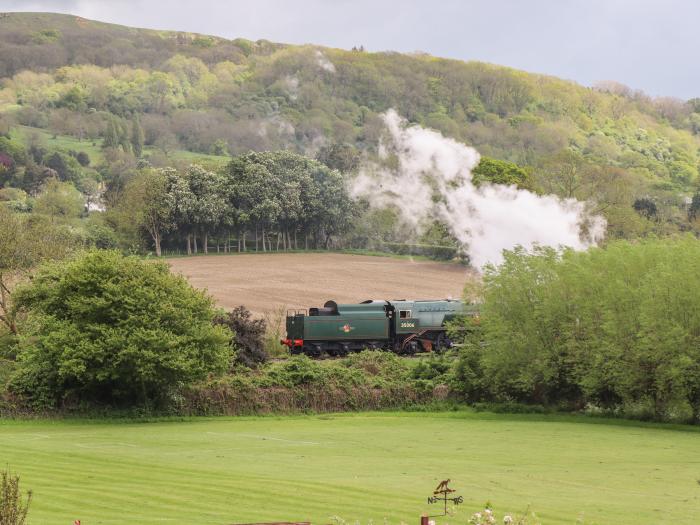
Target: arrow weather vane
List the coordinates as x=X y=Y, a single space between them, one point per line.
x=442 y=493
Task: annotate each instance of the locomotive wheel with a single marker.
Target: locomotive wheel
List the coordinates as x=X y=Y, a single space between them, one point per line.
x=313 y=350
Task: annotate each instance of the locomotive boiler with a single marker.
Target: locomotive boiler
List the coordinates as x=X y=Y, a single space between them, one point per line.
x=400 y=326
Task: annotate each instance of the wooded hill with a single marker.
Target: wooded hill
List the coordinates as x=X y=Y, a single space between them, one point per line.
x=145 y=93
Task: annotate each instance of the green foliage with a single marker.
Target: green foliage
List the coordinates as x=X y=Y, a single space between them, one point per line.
x=368 y=369
x=104 y=328
x=207 y=95
x=288 y=192
x=83 y=158
x=617 y=327
x=501 y=172
x=247 y=335
x=137 y=137
x=26 y=241
x=59 y=201
x=13 y=511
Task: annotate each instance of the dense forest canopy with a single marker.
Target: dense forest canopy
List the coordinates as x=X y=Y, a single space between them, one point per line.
x=92 y=104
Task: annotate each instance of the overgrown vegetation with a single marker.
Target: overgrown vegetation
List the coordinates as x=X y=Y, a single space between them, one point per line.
x=97 y=125
x=102 y=328
x=368 y=380
x=612 y=329
x=247 y=336
x=13 y=507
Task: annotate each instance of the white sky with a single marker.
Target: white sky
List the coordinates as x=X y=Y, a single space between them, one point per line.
x=651 y=45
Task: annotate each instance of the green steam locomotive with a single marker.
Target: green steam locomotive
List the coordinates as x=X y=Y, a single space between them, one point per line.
x=403 y=327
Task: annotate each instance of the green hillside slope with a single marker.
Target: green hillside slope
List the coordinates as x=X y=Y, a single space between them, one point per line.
x=75 y=77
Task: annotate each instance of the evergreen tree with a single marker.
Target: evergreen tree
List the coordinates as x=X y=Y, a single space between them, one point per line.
x=123 y=133
x=111 y=136
x=137 y=137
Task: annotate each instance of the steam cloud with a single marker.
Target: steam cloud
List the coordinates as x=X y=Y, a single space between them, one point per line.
x=432 y=179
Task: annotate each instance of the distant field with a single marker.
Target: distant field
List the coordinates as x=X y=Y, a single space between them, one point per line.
x=94 y=150
x=358 y=467
x=268 y=282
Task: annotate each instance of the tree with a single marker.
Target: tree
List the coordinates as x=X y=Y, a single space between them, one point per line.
x=111 y=135
x=105 y=328
x=342 y=157
x=83 y=158
x=137 y=137
x=694 y=207
x=645 y=207
x=564 y=173
x=501 y=172
x=287 y=193
x=149 y=202
x=616 y=327
x=59 y=201
x=25 y=241
x=207 y=204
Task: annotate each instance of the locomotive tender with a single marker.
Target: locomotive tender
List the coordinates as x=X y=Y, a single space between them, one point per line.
x=403 y=327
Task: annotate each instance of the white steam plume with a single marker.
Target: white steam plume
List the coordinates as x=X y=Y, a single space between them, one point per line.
x=432 y=179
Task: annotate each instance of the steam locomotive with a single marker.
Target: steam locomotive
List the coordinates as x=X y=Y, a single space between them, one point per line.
x=400 y=326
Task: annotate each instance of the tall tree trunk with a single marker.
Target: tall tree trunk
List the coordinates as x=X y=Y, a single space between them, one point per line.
x=278 y=242
x=156 y=239
x=206 y=243
x=196 y=250
x=256 y=237
x=263 y=238
x=189 y=244
x=306 y=240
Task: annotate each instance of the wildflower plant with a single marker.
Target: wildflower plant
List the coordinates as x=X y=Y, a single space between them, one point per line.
x=488 y=517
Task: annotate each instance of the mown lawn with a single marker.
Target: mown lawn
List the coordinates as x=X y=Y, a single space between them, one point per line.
x=358 y=467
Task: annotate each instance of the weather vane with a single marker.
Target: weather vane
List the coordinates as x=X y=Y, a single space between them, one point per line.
x=443 y=493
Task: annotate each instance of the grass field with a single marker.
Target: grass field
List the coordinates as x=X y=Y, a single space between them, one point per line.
x=268 y=282
x=359 y=467
x=94 y=150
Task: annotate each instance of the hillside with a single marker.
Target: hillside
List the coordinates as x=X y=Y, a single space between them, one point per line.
x=636 y=157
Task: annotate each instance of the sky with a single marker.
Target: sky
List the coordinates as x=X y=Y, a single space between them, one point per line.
x=645 y=44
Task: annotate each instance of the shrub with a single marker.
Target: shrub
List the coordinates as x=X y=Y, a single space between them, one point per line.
x=107 y=328
x=248 y=335
x=12 y=510
x=615 y=327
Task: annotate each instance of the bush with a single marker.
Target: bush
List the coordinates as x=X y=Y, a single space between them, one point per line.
x=248 y=338
x=615 y=328
x=112 y=329
x=12 y=510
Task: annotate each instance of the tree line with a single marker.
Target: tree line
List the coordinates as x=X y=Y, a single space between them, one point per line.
x=615 y=329
x=270 y=200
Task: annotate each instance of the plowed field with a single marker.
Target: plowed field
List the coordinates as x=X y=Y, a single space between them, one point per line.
x=269 y=282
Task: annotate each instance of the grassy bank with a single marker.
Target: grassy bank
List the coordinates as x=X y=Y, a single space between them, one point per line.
x=358 y=467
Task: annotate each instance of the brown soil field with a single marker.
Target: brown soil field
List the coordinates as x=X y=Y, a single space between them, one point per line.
x=269 y=283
